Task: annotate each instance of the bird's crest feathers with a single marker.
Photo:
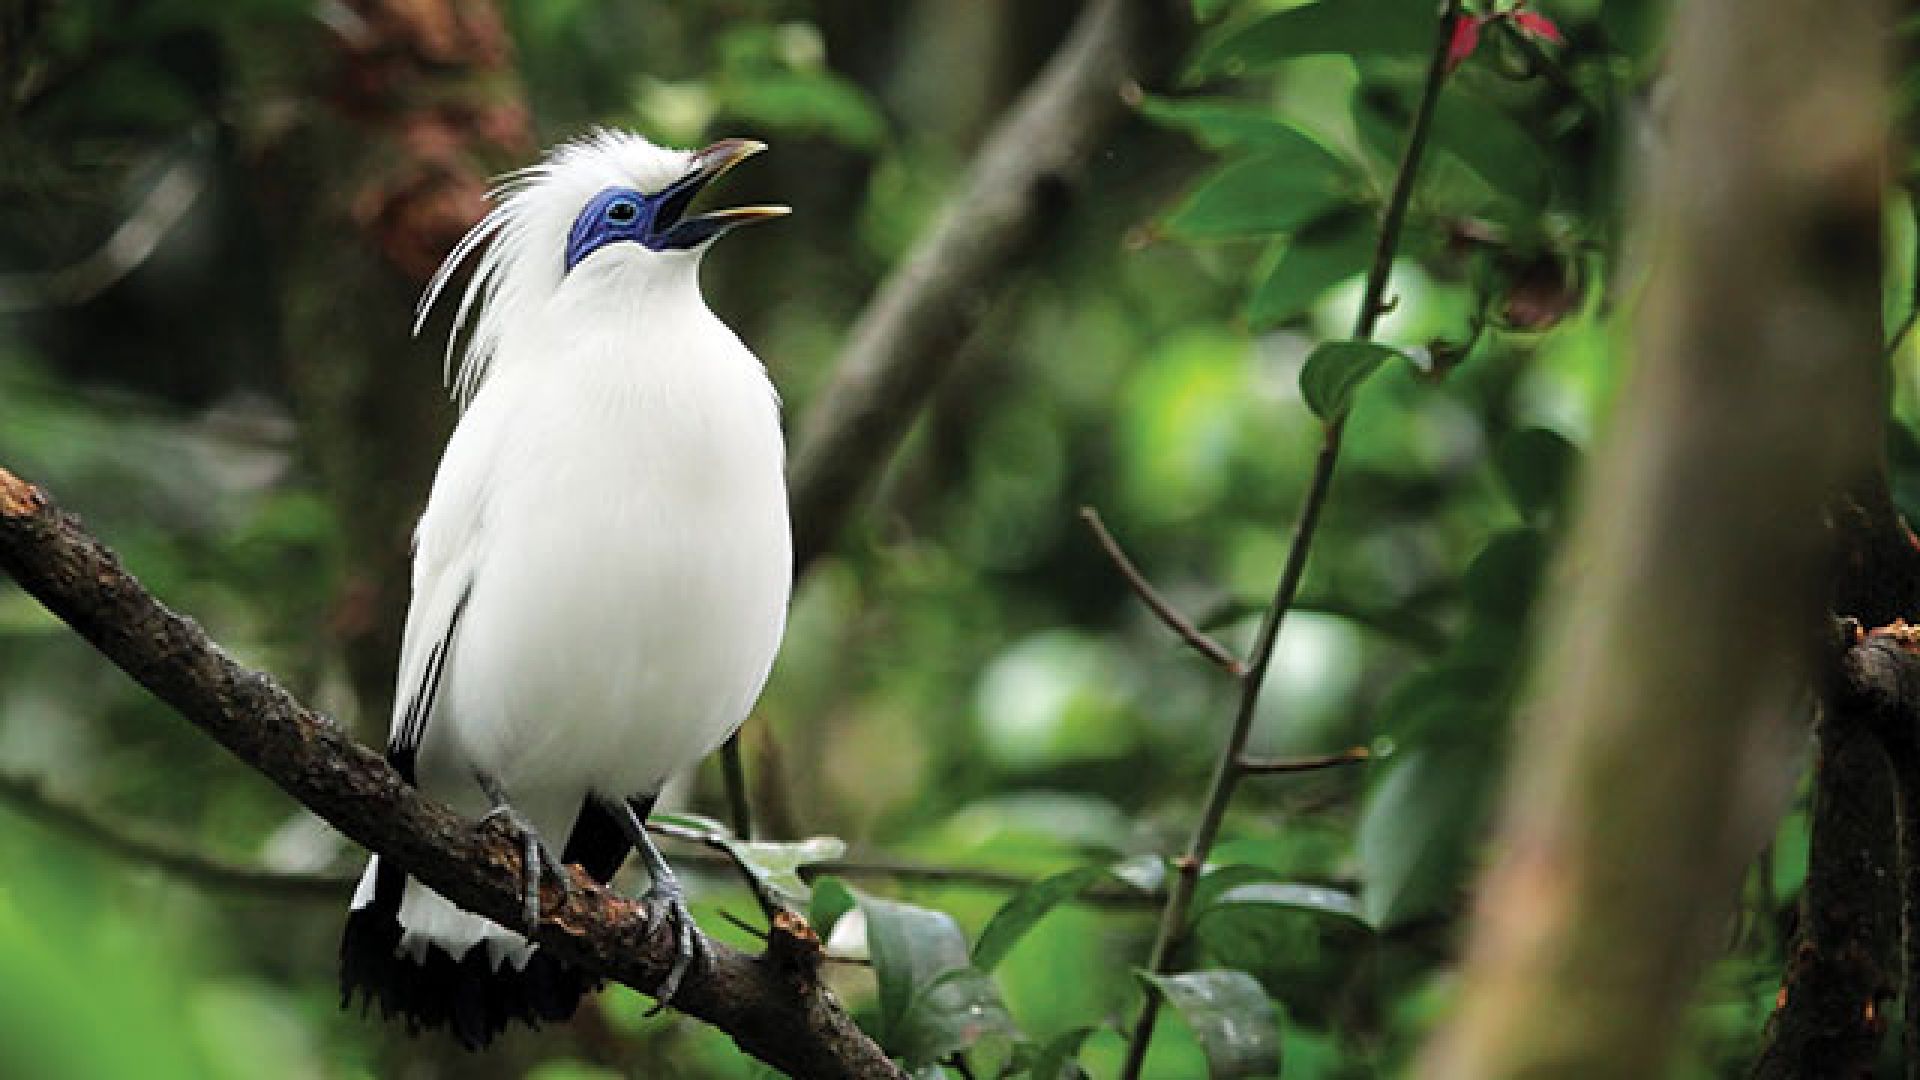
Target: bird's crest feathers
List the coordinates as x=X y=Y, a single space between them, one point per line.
x=522 y=240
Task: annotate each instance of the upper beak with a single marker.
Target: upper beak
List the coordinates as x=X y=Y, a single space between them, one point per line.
x=677 y=231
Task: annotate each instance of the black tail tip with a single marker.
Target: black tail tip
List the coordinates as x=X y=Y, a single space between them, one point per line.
x=468 y=997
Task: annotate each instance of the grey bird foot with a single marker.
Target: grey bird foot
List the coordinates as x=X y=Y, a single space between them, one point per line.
x=533 y=855
x=666 y=901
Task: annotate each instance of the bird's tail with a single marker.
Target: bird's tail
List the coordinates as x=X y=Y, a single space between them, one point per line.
x=473 y=982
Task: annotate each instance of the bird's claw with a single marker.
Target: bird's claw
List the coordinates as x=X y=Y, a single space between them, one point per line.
x=665 y=901
x=534 y=854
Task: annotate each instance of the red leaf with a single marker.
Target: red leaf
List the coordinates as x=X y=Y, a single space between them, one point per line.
x=1466 y=38
x=1538 y=27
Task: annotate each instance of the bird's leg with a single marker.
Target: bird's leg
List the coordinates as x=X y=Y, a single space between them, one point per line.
x=664 y=899
x=534 y=854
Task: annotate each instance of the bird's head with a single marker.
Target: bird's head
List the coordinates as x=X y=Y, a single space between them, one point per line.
x=611 y=206
x=658 y=220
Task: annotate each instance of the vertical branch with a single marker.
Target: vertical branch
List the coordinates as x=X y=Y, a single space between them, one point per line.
x=1660 y=734
x=1232 y=765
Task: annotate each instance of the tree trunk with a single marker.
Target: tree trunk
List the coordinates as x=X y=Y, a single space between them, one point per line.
x=1664 y=717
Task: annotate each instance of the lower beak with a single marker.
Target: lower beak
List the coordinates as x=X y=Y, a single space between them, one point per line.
x=676 y=231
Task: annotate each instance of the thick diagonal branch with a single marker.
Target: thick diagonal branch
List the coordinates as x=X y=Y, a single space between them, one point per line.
x=911 y=332
x=775 y=1009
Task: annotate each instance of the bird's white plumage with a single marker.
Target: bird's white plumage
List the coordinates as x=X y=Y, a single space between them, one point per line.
x=609 y=521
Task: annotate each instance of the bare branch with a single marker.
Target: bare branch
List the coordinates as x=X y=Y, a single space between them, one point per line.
x=29 y=795
x=1256 y=766
x=1195 y=637
x=1229 y=771
x=777 y=1011
x=906 y=339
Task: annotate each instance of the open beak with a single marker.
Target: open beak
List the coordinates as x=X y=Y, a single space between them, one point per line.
x=672 y=229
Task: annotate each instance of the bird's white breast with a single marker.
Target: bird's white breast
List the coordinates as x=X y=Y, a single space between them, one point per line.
x=633 y=564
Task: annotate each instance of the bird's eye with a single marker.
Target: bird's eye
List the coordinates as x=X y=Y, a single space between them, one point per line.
x=622 y=211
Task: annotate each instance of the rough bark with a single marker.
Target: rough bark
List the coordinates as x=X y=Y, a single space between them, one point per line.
x=1879 y=685
x=1660 y=731
x=774 y=1006
x=1830 y=1016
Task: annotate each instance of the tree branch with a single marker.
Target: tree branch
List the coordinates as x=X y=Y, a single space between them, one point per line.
x=1829 y=1017
x=1880 y=688
x=1645 y=775
x=1183 y=627
x=1258 y=766
x=906 y=339
x=775 y=1009
x=29 y=796
x=1232 y=766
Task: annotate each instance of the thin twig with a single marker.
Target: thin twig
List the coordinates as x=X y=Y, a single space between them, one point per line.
x=29 y=796
x=1195 y=637
x=1229 y=771
x=1259 y=766
x=743 y=925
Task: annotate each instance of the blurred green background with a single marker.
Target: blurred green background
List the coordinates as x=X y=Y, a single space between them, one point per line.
x=203 y=352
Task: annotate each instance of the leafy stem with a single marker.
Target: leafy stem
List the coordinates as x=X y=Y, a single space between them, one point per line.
x=1233 y=764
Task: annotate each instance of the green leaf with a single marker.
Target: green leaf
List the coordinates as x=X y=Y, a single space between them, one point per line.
x=1441 y=700
x=1027 y=907
x=1057 y=1058
x=831 y=900
x=1147 y=873
x=1315 y=899
x=1335 y=371
x=777 y=866
x=1503 y=578
x=1316 y=259
x=1290 y=182
x=700 y=823
x=951 y=1013
x=1392 y=28
x=806 y=102
x=1231 y=1017
x=1493 y=146
x=1221 y=122
x=1415 y=830
x=1302 y=942
x=910 y=947
x=1537 y=466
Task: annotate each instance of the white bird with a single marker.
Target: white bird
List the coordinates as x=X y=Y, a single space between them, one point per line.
x=601 y=576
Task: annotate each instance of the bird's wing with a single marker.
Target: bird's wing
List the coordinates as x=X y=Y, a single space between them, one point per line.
x=423 y=660
x=446 y=551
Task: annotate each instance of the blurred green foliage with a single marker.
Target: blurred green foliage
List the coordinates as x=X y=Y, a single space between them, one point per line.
x=966 y=681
